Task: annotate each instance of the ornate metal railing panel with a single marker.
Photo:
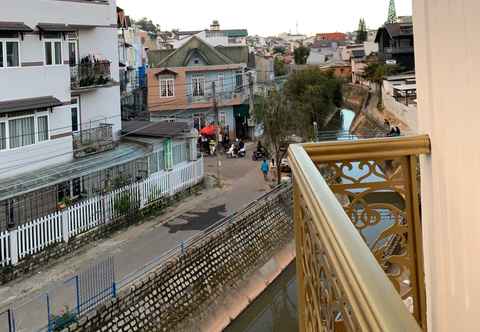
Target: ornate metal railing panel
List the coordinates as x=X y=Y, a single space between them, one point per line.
x=372 y=183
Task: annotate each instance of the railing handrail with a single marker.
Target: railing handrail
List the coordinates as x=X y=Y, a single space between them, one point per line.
x=372 y=148
x=372 y=297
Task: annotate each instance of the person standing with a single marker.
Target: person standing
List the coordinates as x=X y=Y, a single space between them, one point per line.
x=265 y=168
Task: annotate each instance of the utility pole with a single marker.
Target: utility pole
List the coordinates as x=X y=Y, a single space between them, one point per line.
x=251 y=98
x=217 y=131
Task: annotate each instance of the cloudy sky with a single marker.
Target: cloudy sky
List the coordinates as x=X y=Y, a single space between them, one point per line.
x=265 y=17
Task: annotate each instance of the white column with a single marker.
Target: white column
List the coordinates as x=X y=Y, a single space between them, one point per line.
x=14 y=246
x=447 y=53
x=65 y=225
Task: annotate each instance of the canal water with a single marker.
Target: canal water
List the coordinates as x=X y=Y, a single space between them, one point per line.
x=275 y=310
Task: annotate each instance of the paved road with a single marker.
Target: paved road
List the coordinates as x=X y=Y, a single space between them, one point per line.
x=138 y=245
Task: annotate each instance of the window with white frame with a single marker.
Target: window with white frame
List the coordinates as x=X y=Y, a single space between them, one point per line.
x=198 y=85
x=27 y=129
x=167 y=87
x=53 y=52
x=9 y=53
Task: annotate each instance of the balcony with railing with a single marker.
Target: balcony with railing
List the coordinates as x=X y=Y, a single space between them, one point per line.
x=399 y=50
x=94 y=140
x=358 y=234
x=90 y=75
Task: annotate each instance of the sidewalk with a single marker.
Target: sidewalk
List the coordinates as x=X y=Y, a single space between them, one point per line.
x=138 y=245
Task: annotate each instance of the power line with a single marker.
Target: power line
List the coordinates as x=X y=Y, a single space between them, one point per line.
x=70 y=152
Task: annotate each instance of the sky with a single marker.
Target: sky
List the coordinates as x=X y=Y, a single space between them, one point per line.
x=265 y=17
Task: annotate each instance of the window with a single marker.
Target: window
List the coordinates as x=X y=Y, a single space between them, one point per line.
x=42 y=125
x=3 y=136
x=167 y=87
x=221 y=82
x=198 y=85
x=9 y=54
x=21 y=132
x=72 y=53
x=238 y=80
x=53 y=53
x=222 y=118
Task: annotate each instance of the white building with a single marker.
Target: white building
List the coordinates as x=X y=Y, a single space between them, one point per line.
x=58 y=75
x=214 y=36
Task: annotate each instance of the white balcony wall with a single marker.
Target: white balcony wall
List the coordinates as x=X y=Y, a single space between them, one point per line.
x=102 y=106
x=58 y=11
x=37 y=81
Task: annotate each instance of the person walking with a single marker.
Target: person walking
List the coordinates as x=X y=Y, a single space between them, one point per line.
x=265 y=168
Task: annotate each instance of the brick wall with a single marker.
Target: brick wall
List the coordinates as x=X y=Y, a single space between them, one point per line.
x=178 y=293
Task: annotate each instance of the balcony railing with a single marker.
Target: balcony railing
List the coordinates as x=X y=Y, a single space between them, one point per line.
x=399 y=50
x=93 y=74
x=91 y=141
x=358 y=235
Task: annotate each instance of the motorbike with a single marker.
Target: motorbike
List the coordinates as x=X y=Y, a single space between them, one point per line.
x=260 y=155
x=234 y=152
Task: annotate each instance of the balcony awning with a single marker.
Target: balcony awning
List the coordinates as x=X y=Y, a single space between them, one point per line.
x=28 y=104
x=14 y=27
x=56 y=27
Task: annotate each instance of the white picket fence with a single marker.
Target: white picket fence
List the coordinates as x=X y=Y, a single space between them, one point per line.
x=38 y=234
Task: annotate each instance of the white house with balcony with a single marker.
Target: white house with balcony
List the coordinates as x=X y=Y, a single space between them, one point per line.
x=58 y=80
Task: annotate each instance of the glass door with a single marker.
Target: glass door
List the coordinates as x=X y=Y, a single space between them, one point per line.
x=76 y=124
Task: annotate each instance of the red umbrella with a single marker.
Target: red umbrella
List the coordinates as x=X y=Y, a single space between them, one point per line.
x=210 y=130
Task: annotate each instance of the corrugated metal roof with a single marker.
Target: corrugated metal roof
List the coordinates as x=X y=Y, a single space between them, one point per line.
x=154 y=129
x=28 y=104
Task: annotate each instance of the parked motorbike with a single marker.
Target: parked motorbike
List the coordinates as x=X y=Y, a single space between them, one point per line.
x=234 y=152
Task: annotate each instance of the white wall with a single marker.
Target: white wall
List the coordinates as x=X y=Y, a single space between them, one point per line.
x=448 y=79
x=58 y=11
x=40 y=80
x=102 y=105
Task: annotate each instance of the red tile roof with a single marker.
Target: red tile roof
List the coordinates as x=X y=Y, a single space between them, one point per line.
x=332 y=36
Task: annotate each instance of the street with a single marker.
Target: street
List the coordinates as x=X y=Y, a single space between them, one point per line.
x=134 y=247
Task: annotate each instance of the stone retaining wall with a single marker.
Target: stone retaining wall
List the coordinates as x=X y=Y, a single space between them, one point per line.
x=177 y=294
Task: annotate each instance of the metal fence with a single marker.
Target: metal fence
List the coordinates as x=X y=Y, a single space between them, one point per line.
x=7 y=321
x=84 y=291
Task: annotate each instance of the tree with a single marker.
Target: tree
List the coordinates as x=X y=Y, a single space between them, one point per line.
x=375 y=72
x=147 y=25
x=279 y=67
x=301 y=54
x=362 y=33
x=392 y=12
x=315 y=95
x=277 y=117
x=279 y=50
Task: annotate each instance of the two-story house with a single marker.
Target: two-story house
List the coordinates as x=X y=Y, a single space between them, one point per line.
x=195 y=81
x=395 y=44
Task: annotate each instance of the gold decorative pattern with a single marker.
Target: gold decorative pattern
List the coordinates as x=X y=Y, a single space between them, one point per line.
x=356 y=228
x=324 y=296
x=374 y=194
